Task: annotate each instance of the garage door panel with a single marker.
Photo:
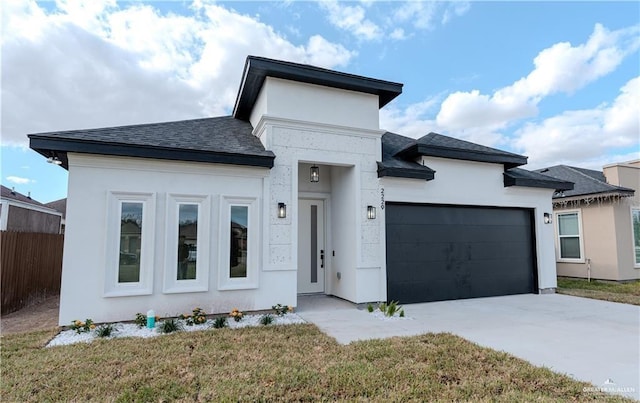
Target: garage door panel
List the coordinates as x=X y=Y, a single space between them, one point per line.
x=449 y=252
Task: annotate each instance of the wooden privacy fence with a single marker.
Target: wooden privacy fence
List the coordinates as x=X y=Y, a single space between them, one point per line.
x=31 y=267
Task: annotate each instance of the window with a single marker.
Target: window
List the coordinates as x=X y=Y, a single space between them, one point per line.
x=635 y=220
x=238 y=245
x=238 y=261
x=187 y=247
x=569 y=239
x=130 y=232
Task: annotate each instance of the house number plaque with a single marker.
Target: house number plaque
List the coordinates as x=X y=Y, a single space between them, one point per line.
x=382 y=198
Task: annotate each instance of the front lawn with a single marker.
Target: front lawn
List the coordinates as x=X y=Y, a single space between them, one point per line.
x=627 y=293
x=295 y=362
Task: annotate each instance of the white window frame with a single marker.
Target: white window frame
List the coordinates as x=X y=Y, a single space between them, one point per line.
x=559 y=257
x=225 y=281
x=112 y=288
x=633 y=240
x=201 y=282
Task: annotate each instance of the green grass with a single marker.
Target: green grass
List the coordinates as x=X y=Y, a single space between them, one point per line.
x=295 y=362
x=627 y=293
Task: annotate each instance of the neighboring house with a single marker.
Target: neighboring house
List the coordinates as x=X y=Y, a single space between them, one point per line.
x=299 y=191
x=61 y=207
x=597 y=223
x=21 y=213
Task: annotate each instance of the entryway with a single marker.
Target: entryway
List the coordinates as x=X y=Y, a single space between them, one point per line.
x=311 y=246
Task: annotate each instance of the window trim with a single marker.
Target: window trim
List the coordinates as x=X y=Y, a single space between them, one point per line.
x=225 y=281
x=171 y=284
x=559 y=257
x=636 y=265
x=113 y=288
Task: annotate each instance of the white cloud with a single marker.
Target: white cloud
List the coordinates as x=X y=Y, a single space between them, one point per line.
x=584 y=136
x=561 y=68
x=424 y=14
x=351 y=19
x=398 y=34
x=95 y=64
x=19 y=180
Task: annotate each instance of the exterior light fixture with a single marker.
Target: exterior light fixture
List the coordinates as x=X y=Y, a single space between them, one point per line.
x=315 y=174
x=54 y=160
x=371 y=212
x=282 y=210
x=547 y=218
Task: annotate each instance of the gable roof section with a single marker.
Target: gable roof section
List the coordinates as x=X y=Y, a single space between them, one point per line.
x=437 y=145
x=587 y=182
x=222 y=140
x=257 y=69
x=59 y=205
x=9 y=194
x=397 y=167
x=522 y=177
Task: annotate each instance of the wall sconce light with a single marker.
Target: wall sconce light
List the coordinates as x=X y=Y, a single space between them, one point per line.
x=282 y=210
x=315 y=174
x=547 y=218
x=371 y=212
x=54 y=160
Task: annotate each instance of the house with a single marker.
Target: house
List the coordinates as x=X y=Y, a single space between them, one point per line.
x=21 y=213
x=61 y=207
x=298 y=191
x=597 y=224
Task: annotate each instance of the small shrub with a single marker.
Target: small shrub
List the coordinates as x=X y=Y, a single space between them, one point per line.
x=370 y=308
x=197 y=317
x=402 y=313
x=219 y=322
x=390 y=309
x=281 y=310
x=105 y=330
x=236 y=314
x=82 y=327
x=266 y=320
x=140 y=320
x=169 y=326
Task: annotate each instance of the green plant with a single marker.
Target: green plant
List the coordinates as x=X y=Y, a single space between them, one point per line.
x=281 y=310
x=370 y=308
x=390 y=309
x=266 y=319
x=140 y=320
x=82 y=327
x=105 y=330
x=402 y=313
x=197 y=317
x=236 y=314
x=220 y=322
x=169 y=326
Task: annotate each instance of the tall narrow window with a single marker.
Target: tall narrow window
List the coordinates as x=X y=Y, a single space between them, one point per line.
x=238 y=241
x=569 y=236
x=635 y=221
x=130 y=242
x=187 y=241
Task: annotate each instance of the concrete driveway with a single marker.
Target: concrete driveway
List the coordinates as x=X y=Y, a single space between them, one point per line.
x=590 y=340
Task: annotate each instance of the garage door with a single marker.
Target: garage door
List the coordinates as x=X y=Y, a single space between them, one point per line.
x=437 y=252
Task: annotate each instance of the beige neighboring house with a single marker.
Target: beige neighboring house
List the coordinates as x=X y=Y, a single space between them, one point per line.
x=597 y=224
x=61 y=207
x=20 y=213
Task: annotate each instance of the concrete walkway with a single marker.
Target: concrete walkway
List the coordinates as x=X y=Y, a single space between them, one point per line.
x=590 y=340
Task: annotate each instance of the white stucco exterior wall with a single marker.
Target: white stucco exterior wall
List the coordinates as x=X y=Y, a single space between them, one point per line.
x=471 y=183
x=92 y=177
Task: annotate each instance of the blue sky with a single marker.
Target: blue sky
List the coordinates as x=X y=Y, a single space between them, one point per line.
x=558 y=82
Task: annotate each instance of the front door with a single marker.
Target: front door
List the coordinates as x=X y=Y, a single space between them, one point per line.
x=311 y=251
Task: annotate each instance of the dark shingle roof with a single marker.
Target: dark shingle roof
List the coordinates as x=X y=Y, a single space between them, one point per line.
x=437 y=145
x=397 y=167
x=218 y=140
x=256 y=69
x=59 y=205
x=13 y=195
x=587 y=181
x=522 y=177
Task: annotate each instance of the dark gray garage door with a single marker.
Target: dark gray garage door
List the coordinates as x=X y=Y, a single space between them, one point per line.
x=437 y=252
